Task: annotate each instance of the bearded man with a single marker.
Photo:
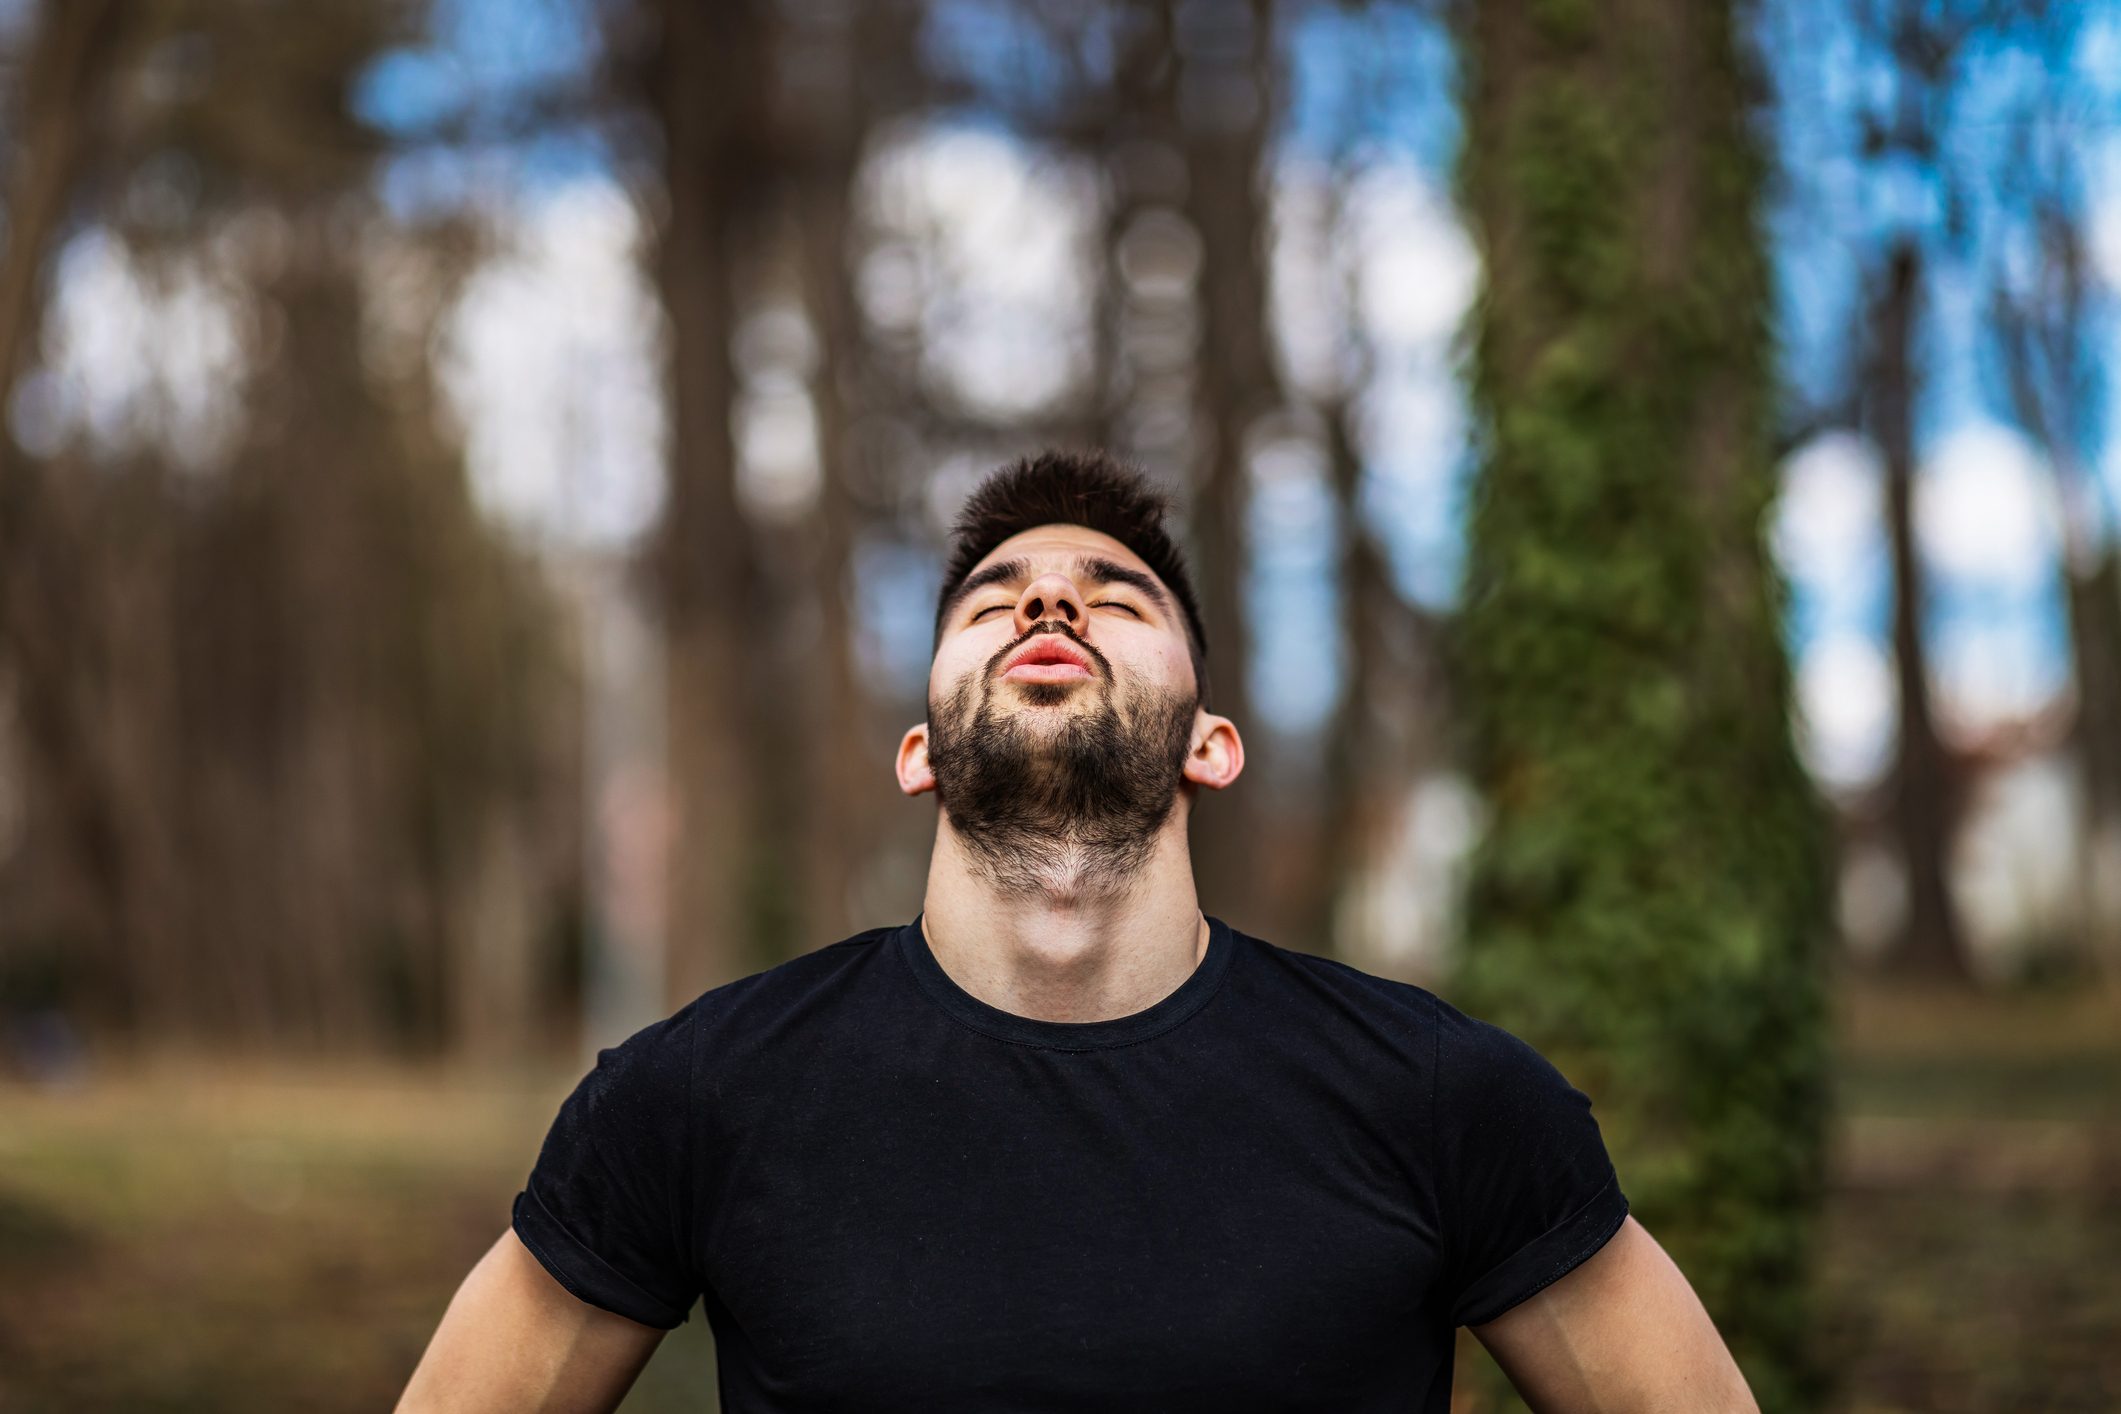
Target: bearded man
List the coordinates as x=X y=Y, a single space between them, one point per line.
x=1063 y=1141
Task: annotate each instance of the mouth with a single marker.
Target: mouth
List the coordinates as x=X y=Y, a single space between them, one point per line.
x=1047 y=658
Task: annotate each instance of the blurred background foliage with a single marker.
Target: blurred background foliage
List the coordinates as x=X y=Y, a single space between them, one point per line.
x=472 y=486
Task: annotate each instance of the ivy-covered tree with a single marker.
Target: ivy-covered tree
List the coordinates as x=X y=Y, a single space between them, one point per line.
x=1649 y=905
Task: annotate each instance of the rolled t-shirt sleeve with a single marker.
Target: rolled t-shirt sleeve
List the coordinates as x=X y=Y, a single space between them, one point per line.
x=1525 y=1188
x=606 y=1206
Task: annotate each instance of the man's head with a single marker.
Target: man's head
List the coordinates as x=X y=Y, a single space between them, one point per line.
x=1066 y=697
x=1086 y=489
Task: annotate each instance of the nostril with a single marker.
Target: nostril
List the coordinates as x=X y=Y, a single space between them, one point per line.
x=1035 y=607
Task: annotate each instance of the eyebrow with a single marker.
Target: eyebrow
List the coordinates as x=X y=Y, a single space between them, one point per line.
x=1094 y=568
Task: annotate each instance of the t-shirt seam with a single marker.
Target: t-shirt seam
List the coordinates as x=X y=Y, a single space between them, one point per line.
x=1176 y=1022
x=942 y=1005
x=689 y=1195
x=1439 y=1181
x=649 y=1298
x=1574 y=1257
x=696 y=1240
x=557 y=1268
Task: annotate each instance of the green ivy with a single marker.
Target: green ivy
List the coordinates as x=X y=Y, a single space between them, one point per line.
x=1649 y=905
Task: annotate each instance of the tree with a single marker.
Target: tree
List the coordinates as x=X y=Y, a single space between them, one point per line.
x=1220 y=87
x=1922 y=803
x=1649 y=905
x=1923 y=48
x=287 y=707
x=707 y=83
x=61 y=115
x=2047 y=317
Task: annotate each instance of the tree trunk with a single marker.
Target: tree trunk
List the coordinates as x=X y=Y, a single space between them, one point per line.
x=1222 y=105
x=1372 y=756
x=848 y=766
x=2094 y=599
x=2051 y=367
x=65 y=72
x=1351 y=775
x=711 y=65
x=1931 y=941
x=1650 y=904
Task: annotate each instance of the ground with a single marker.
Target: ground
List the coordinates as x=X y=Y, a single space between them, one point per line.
x=225 y=1239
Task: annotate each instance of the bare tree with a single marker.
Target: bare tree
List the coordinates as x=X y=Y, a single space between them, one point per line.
x=280 y=706
x=61 y=118
x=1222 y=98
x=2044 y=322
x=1922 y=800
x=707 y=83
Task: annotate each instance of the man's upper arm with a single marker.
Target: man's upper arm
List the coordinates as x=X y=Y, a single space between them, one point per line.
x=514 y=1339
x=1622 y=1331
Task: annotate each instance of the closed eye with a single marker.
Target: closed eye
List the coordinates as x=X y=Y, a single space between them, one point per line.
x=1115 y=604
x=988 y=610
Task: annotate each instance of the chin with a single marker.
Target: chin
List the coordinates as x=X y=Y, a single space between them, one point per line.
x=1050 y=694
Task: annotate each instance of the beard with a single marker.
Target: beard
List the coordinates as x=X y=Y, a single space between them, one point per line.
x=1071 y=806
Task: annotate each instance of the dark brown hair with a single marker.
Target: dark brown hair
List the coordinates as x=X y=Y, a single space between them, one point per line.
x=1089 y=489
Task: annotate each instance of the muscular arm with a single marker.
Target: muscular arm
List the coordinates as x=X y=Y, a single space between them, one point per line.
x=1621 y=1334
x=515 y=1339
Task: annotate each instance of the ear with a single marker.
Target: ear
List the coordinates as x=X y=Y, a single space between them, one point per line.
x=914 y=777
x=1218 y=754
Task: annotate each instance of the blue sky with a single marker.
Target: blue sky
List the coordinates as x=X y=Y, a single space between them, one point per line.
x=1380 y=85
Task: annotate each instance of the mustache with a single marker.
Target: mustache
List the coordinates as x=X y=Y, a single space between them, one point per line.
x=1104 y=665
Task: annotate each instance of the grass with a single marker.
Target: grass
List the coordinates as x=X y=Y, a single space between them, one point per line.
x=207 y=1239
x=1973 y=1246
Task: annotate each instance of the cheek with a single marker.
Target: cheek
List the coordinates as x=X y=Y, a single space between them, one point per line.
x=1159 y=663
x=949 y=669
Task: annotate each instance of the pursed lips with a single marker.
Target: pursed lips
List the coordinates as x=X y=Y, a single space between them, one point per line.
x=1047 y=658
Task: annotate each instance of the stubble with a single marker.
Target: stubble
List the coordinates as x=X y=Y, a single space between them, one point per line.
x=1070 y=805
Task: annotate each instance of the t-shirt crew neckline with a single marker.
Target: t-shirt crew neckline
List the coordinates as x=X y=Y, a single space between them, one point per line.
x=1189 y=997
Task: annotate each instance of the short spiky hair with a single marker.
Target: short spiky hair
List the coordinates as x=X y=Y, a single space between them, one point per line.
x=1089 y=489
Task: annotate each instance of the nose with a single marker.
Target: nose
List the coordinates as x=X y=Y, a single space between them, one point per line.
x=1049 y=596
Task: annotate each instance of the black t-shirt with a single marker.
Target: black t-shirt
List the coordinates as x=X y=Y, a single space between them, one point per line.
x=1281 y=1187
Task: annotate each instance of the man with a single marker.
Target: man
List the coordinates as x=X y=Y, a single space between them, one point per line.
x=1063 y=1142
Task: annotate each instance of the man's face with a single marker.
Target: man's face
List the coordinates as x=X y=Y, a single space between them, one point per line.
x=1062 y=709
x=1098 y=600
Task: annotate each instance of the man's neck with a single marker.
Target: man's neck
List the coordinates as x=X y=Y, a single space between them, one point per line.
x=1060 y=954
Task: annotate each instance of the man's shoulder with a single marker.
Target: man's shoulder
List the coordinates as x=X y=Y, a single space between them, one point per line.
x=795 y=982
x=1342 y=984
x=1476 y=1045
